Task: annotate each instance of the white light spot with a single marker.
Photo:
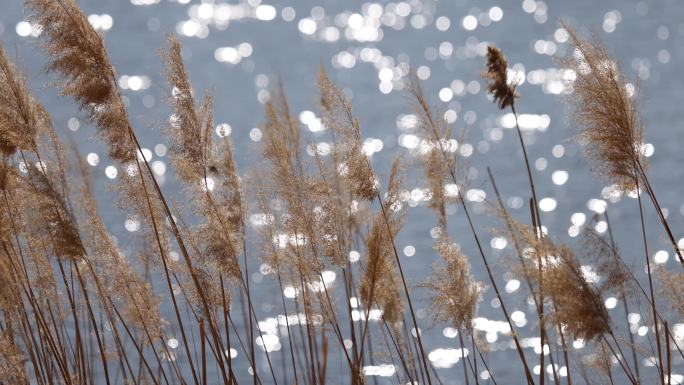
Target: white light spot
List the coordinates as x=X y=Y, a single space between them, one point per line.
x=442 y=23
x=470 y=22
x=512 y=286
x=476 y=195
x=265 y=12
x=559 y=177
x=73 y=124
x=158 y=167
x=661 y=256
x=611 y=302
x=385 y=370
x=547 y=204
x=172 y=343
x=307 y=26
x=132 y=224
x=23 y=28
x=578 y=219
x=446 y=94
x=111 y=172
x=446 y=358
x=495 y=13
x=223 y=130
x=255 y=134
x=93 y=159
x=385 y=75
x=498 y=243
x=208 y=184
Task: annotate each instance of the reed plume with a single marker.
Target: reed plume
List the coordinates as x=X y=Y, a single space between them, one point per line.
x=291 y=183
x=190 y=128
x=77 y=53
x=437 y=153
x=606 y=112
x=577 y=304
x=500 y=86
x=20 y=114
x=207 y=169
x=12 y=369
x=607 y=260
x=671 y=286
x=26 y=126
x=53 y=219
x=68 y=285
x=455 y=294
x=118 y=281
x=605 y=108
x=612 y=131
x=337 y=111
x=379 y=282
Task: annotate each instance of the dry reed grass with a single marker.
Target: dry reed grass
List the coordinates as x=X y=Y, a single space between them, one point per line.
x=76 y=308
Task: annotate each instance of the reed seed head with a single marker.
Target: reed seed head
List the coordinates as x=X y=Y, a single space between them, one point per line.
x=455 y=293
x=604 y=108
x=503 y=90
x=77 y=53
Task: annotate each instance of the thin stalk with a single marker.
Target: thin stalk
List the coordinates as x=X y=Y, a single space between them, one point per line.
x=536 y=220
x=617 y=357
x=484 y=362
x=203 y=351
x=463 y=359
x=650 y=283
x=287 y=325
x=623 y=298
x=423 y=356
x=668 y=355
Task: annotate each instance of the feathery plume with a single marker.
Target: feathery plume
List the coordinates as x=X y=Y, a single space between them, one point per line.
x=577 y=304
x=188 y=130
x=379 y=281
x=455 y=293
x=293 y=186
x=671 y=287
x=606 y=112
x=503 y=90
x=53 y=218
x=208 y=169
x=12 y=370
x=601 y=361
x=437 y=152
x=119 y=282
x=606 y=258
x=20 y=114
x=337 y=115
x=78 y=54
x=9 y=298
x=25 y=125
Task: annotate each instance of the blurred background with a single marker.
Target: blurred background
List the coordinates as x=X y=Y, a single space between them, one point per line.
x=237 y=50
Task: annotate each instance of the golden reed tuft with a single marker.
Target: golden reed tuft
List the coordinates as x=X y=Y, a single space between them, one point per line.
x=455 y=293
x=78 y=55
x=79 y=306
x=604 y=107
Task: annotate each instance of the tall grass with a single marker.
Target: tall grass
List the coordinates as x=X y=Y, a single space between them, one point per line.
x=76 y=309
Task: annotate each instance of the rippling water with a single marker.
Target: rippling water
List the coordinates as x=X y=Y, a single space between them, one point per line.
x=235 y=48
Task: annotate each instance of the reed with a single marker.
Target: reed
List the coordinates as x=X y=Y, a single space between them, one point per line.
x=80 y=307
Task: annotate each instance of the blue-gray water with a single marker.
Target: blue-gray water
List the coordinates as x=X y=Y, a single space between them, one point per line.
x=448 y=39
